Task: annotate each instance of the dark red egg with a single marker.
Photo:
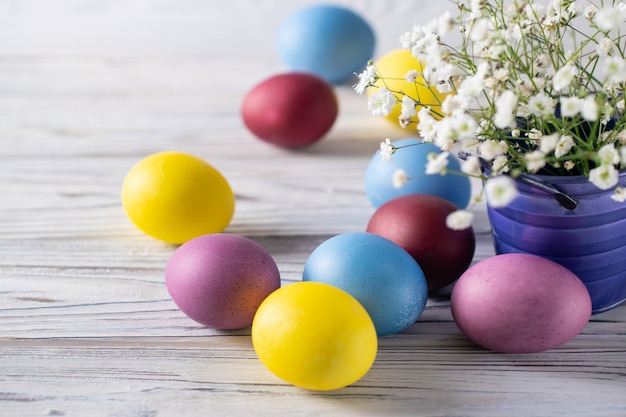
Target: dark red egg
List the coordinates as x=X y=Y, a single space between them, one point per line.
x=290 y=110
x=417 y=223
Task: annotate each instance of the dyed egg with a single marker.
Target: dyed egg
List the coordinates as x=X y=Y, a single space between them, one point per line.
x=219 y=280
x=175 y=197
x=393 y=68
x=291 y=110
x=381 y=275
x=330 y=41
x=412 y=159
x=519 y=303
x=417 y=223
x=314 y=336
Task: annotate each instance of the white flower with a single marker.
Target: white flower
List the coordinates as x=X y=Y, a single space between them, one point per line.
x=387 y=150
x=500 y=164
x=399 y=178
x=610 y=18
x=426 y=125
x=437 y=163
x=619 y=196
x=541 y=105
x=548 y=143
x=590 y=109
x=609 y=155
x=590 y=12
x=570 y=106
x=565 y=144
x=411 y=76
x=500 y=191
x=479 y=30
x=366 y=78
x=445 y=23
x=564 y=77
x=491 y=148
x=459 y=220
x=534 y=160
x=605 y=46
x=505 y=110
x=615 y=69
x=408 y=108
x=382 y=102
x=534 y=134
x=464 y=125
x=471 y=166
x=604 y=177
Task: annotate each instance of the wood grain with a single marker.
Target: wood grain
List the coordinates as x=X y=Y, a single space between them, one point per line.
x=86 y=324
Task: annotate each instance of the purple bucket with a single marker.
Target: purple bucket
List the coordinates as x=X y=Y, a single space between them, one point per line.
x=589 y=240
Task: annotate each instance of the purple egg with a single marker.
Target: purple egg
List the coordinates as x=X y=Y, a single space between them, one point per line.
x=519 y=303
x=220 y=280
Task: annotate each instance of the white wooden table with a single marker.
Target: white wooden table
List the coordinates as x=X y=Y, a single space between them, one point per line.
x=86 y=325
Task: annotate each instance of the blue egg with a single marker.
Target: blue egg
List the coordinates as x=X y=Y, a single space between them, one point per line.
x=330 y=41
x=381 y=275
x=412 y=159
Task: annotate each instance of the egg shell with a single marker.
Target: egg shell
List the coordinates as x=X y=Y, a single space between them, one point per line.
x=392 y=68
x=174 y=197
x=417 y=223
x=413 y=159
x=291 y=110
x=381 y=275
x=330 y=41
x=520 y=303
x=314 y=336
x=219 y=280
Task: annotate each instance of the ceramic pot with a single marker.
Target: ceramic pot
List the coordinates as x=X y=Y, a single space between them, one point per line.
x=589 y=240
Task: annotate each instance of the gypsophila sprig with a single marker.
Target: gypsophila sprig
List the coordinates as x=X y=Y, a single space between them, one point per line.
x=531 y=88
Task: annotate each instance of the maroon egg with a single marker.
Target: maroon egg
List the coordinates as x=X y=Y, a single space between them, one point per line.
x=417 y=223
x=220 y=280
x=291 y=110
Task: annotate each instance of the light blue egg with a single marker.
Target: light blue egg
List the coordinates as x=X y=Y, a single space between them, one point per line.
x=381 y=275
x=329 y=41
x=412 y=159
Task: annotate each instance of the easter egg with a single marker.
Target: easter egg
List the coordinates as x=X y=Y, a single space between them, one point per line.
x=392 y=69
x=219 y=280
x=417 y=223
x=412 y=159
x=520 y=303
x=381 y=275
x=314 y=336
x=290 y=110
x=174 y=197
x=330 y=41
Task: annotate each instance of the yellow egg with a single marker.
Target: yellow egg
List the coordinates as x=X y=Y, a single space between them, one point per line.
x=314 y=336
x=393 y=68
x=175 y=197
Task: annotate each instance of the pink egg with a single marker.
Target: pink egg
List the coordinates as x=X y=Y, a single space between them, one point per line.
x=220 y=280
x=291 y=110
x=417 y=223
x=518 y=303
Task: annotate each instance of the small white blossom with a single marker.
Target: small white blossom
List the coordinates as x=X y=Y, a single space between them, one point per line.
x=534 y=134
x=604 y=177
x=479 y=30
x=426 y=125
x=610 y=18
x=437 y=162
x=609 y=155
x=619 y=195
x=615 y=69
x=534 y=160
x=564 y=77
x=408 y=108
x=399 y=178
x=471 y=166
x=464 y=125
x=382 y=102
x=565 y=144
x=459 y=220
x=500 y=164
x=605 y=46
x=411 y=76
x=548 y=143
x=500 y=191
x=590 y=109
x=541 y=105
x=505 y=110
x=491 y=148
x=590 y=12
x=570 y=106
x=366 y=78
x=387 y=150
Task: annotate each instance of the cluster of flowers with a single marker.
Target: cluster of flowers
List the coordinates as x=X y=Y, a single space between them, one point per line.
x=529 y=88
